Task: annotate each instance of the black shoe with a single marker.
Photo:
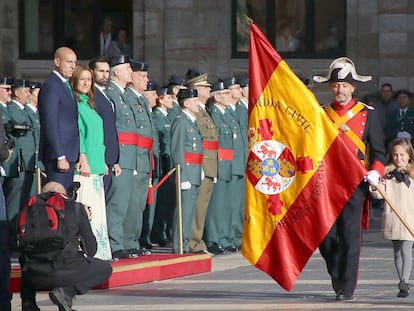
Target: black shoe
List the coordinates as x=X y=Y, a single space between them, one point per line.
x=231 y=249
x=133 y=253
x=146 y=245
x=121 y=254
x=165 y=243
x=404 y=289
x=344 y=297
x=144 y=252
x=28 y=306
x=216 y=250
x=61 y=299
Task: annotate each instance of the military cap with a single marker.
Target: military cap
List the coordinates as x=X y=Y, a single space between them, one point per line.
x=163 y=91
x=229 y=82
x=403 y=92
x=21 y=83
x=35 y=85
x=137 y=65
x=243 y=81
x=152 y=86
x=200 y=80
x=187 y=93
x=175 y=80
x=342 y=69
x=218 y=86
x=118 y=60
x=6 y=81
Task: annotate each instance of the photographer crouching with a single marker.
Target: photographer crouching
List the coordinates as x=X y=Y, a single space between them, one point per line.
x=74 y=271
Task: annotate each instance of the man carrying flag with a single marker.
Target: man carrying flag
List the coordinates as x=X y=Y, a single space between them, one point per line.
x=362 y=129
x=300 y=172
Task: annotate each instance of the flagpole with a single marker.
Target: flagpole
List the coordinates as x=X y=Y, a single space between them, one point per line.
x=394 y=209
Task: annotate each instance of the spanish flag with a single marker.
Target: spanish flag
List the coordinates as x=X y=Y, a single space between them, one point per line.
x=299 y=172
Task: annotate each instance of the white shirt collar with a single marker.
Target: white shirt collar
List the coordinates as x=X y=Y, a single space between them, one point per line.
x=32 y=107
x=60 y=76
x=18 y=104
x=190 y=116
x=165 y=113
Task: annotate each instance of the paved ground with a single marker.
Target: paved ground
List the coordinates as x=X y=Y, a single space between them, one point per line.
x=235 y=285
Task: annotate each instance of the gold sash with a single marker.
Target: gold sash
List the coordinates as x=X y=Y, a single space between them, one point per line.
x=340 y=123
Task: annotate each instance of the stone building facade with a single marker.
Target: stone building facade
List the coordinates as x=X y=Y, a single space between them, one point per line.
x=174 y=35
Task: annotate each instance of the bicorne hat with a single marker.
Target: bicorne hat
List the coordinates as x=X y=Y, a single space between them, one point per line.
x=342 y=70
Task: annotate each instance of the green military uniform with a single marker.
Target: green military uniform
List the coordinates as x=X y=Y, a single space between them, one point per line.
x=174 y=111
x=146 y=133
x=33 y=115
x=237 y=186
x=219 y=213
x=11 y=165
x=166 y=196
x=18 y=185
x=242 y=114
x=186 y=150
x=122 y=207
x=209 y=134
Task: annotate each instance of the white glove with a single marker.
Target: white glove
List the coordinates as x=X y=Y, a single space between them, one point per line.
x=373 y=178
x=214 y=180
x=202 y=174
x=185 y=185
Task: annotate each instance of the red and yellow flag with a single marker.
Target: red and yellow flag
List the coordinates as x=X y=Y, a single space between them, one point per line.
x=299 y=173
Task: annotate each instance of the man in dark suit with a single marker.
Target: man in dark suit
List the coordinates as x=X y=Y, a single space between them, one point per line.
x=106 y=109
x=400 y=122
x=58 y=112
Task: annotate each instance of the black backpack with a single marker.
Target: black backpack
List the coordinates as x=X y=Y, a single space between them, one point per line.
x=41 y=227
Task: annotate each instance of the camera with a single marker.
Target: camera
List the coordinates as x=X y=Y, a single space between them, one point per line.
x=17 y=129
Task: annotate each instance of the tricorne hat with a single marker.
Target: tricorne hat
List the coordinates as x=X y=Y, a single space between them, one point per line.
x=218 y=86
x=161 y=91
x=229 y=81
x=243 y=81
x=187 y=93
x=6 y=81
x=21 y=83
x=35 y=85
x=342 y=70
x=175 y=80
x=152 y=86
x=138 y=65
x=118 y=60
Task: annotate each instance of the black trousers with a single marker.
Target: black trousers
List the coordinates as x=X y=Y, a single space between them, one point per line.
x=76 y=277
x=342 y=245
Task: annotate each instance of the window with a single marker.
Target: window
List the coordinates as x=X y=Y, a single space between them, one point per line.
x=48 y=24
x=297 y=28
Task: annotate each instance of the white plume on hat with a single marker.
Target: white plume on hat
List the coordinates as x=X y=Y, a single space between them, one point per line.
x=346 y=67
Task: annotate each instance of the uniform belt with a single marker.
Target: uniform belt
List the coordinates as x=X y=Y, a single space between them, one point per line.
x=225 y=154
x=193 y=158
x=210 y=144
x=136 y=140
